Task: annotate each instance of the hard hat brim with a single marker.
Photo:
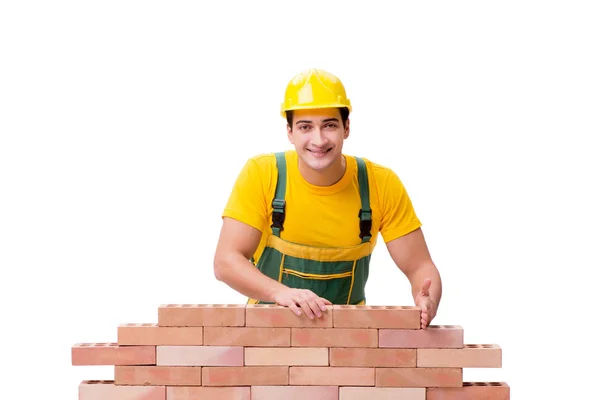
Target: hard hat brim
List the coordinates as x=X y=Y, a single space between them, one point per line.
x=315 y=107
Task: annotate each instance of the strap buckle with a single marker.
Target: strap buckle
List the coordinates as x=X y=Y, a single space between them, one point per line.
x=366 y=223
x=278 y=213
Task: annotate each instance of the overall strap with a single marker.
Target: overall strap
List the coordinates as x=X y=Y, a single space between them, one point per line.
x=365 y=212
x=279 y=200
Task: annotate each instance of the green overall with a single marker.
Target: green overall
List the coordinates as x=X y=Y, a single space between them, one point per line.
x=338 y=274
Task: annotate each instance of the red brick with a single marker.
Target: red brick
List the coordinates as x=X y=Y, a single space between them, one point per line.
x=471 y=391
x=434 y=336
x=112 y=354
x=245 y=376
x=295 y=392
x=470 y=356
x=201 y=315
x=418 y=377
x=367 y=357
x=315 y=356
x=334 y=337
x=381 y=393
x=205 y=393
x=332 y=376
x=247 y=336
x=275 y=316
x=363 y=316
x=106 y=389
x=152 y=334
x=158 y=375
x=200 y=355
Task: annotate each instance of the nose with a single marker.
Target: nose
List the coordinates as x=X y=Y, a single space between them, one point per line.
x=318 y=138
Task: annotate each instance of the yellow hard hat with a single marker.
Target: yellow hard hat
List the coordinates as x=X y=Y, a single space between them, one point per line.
x=314 y=88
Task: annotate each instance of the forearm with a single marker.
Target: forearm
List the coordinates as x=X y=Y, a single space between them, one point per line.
x=242 y=276
x=427 y=270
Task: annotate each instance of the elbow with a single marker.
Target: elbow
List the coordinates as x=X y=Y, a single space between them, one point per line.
x=219 y=268
x=226 y=265
x=426 y=268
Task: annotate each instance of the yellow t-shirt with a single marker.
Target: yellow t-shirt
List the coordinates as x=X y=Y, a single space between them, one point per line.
x=322 y=216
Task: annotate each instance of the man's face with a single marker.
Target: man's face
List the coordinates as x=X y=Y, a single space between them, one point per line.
x=318 y=136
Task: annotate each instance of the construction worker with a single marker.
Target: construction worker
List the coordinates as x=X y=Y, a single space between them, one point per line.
x=300 y=226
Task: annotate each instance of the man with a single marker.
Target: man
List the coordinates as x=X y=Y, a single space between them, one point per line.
x=300 y=226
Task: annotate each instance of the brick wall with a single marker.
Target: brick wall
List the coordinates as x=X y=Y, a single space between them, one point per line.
x=265 y=352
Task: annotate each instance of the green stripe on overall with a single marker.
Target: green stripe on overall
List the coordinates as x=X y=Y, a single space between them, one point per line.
x=337 y=274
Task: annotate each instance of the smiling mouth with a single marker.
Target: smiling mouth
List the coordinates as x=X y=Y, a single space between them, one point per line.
x=319 y=152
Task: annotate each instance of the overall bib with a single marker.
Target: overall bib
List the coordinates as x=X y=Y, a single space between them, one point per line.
x=338 y=274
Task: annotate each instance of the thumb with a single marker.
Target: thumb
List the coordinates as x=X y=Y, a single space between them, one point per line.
x=425 y=287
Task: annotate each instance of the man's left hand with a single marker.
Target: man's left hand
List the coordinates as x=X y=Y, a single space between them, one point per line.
x=424 y=301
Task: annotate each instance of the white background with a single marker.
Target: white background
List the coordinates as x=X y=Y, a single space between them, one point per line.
x=124 y=124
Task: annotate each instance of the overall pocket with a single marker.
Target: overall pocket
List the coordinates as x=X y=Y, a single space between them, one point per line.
x=331 y=280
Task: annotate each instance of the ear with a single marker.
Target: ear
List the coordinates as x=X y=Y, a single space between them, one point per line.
x=289 y=134
x=347 y=129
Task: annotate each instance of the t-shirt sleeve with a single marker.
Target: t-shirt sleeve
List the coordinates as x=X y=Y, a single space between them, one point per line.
x=398 y=214
x=246 y=202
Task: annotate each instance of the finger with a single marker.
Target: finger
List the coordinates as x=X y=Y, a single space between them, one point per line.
x=294 y=308
x=322 y=303
x=312 y=303
x=308 y=294
x=425 y=287
x=317 y=303
x=306 y=308
x=308 y=299
x=424 y=319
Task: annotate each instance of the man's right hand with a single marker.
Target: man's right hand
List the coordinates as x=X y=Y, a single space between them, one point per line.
x=302 y=300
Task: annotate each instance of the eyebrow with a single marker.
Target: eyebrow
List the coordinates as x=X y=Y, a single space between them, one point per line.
x=303 y=121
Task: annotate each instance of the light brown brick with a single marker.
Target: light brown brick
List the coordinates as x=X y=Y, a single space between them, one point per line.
x=334 y=337
x=158 y=375
x=275 y=316
x=245 y=376
x=418 y=377
x=364 y=316
x=328 y=376
x=201 y=315
x=152 y=334
x=106 y=389
x=368 y=357
x=381 y=393
x=112 y=354
x=206 y=393
x=434 y=336
x=247 y=336
x=200 y=355
x=295 y=393
x=309 y=356
x=472 y=391
x=470 y=356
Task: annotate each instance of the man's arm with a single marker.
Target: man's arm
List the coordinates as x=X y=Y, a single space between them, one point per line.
x=411 y=255
x=237 y=243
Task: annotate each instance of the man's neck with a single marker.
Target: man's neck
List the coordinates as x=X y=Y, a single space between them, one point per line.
x=326 y=177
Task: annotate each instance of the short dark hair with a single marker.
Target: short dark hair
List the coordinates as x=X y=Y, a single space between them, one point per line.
x=344 y=113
